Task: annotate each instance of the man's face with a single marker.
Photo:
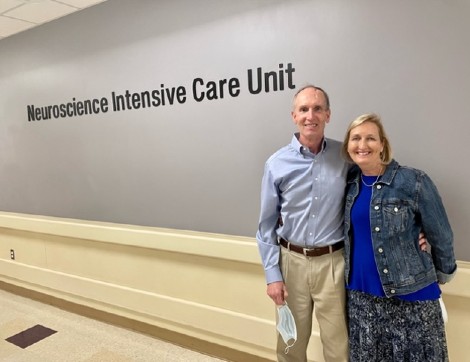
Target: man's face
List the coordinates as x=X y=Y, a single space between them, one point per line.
x=310 y=114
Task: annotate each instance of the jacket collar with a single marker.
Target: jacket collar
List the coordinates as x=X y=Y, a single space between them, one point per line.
x=390 y=172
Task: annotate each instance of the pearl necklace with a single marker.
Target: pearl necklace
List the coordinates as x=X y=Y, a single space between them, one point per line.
x=373 y=183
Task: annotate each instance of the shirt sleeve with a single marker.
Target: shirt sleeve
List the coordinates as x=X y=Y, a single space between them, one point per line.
x=266 y=235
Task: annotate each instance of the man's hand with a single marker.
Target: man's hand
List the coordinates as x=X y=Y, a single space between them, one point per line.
x=277 y=291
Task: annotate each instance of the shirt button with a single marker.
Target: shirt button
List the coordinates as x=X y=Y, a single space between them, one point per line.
x=392 y=291
x=376 y=207
x=316 y=197
x=313 y=215
x=377 y=228
x=310 y=234
x=381 y=250
x=379 y=187
x=385 y=271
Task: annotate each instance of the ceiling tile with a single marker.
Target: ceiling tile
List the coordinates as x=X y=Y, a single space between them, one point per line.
x=11 y=26
x=9 y=4
x=40 y=12
x=19 y=15
x=81 y=4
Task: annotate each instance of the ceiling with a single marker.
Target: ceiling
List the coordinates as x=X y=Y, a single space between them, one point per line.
x=20 y=15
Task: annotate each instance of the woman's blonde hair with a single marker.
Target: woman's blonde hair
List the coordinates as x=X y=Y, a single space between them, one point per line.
x=386 y=154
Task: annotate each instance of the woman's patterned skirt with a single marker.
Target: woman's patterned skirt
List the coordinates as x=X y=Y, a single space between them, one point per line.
x=393 y=330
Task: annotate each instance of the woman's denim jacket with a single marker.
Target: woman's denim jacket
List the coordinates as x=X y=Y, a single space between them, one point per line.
x=404 y=202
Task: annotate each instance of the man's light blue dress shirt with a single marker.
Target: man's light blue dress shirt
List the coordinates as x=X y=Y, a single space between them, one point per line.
x=307 y=191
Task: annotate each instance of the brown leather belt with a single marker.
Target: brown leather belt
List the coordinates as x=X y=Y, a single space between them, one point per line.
x=311 y=251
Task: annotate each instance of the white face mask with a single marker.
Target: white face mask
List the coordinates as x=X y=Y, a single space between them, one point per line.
x=286 y=326
x=443 y=310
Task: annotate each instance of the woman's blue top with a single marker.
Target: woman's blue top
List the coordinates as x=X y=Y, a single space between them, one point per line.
x=364 y=274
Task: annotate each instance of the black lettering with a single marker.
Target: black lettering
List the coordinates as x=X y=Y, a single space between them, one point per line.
x=70 y=109
x=251 y=87
x=128 y=99
x=156 y=98
x=162 y=94
x=31 y=115
x=48 y=112
x=145 y=99
x=170 y=94
x=211 y=90
x=38 y=114
x=70 y=112
x=267 y=76
x=234 y=87
x=79 y=108
x=270 y=81
x=135 y=101
x=118 y=102
x=104 y=104
x=87 y=106
x=289 y=72
x=197 y=98
x=56 y=111
x=181 y=94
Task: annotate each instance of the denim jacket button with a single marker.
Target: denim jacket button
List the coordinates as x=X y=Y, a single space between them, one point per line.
x=376 y=207
x=395 y=209
x=379 y=187
x=385 y=271
x=377 y=228
x=381 y=250
x=392 y=291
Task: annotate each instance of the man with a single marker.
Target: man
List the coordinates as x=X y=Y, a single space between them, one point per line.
x=300 y=233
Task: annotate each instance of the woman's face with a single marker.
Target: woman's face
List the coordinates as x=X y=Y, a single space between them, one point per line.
x=365 y=146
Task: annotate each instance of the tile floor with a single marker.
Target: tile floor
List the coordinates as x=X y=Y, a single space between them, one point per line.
x=31 y=331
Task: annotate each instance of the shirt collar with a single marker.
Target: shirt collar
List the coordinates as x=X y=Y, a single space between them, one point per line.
x=301 y=149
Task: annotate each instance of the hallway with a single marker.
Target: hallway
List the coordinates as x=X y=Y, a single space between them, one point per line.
x=31 y=331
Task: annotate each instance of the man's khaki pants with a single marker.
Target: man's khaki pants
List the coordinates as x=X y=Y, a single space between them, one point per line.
x=315 y=284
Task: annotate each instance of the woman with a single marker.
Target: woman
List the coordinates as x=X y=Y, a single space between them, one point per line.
x=393 y=290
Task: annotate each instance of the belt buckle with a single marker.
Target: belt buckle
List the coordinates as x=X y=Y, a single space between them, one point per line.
x=306 y=250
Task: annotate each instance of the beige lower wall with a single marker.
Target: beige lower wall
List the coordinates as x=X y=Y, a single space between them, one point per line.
x=206 y=286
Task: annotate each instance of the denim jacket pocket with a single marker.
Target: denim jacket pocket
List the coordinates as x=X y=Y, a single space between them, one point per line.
x=396 y=216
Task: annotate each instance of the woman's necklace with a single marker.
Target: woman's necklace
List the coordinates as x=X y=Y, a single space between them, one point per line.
x=373 y=183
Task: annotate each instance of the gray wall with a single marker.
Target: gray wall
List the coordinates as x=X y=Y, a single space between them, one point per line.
x=197 y=165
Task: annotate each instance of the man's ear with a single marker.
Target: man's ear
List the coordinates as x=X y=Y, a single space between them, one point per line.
x=328 y=115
